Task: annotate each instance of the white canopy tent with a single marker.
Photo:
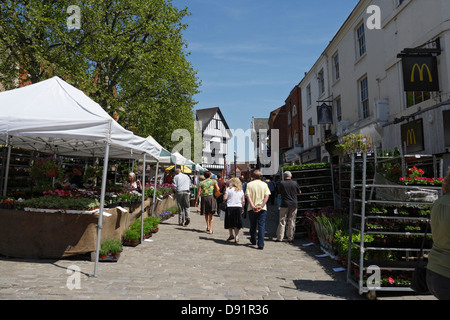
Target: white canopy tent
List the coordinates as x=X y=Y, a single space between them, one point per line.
x=54 y=117
x=167 y=158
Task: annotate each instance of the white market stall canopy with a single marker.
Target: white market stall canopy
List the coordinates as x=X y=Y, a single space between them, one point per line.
x=54 y=117
x=167 y=158
x=164 y=155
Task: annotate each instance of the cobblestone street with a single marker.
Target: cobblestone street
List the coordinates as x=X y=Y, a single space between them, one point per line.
x=186 y=263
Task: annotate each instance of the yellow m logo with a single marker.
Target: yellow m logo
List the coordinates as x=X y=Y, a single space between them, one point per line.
x=411 y=138
x=421 y=70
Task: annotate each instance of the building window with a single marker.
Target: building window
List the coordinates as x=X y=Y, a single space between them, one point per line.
x=364 y=98
x=289 y=118
x=294 y=110
x=446 y=116
x=337 y=104
x=308 y=95
x=361 y=38
x=336 y=74
x=290 y=141
x=413 y=98
x=295 y=138
x=321 y=81
x=217 y=123
x=310 y=136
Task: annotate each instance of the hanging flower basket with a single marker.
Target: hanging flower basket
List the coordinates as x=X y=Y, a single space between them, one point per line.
x=52 y=173
x=45 y=168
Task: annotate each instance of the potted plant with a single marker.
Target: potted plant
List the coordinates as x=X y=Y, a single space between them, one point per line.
x=104 y=250
x=131 y=237
x=115 y=247
x=91 y=173
x=45 y=167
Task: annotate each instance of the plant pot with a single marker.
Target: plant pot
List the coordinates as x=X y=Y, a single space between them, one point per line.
x=115 y=255
x=51 y=173
x=129 y=243
x=104 y=256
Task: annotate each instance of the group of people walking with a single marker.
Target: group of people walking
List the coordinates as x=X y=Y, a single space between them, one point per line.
x=239 y=199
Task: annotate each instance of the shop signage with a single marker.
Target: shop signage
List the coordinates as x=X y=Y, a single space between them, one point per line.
x=420 y=73
x=325 y=114
x=412 y=136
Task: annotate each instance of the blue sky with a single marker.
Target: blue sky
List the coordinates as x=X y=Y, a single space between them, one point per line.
x=250 y=54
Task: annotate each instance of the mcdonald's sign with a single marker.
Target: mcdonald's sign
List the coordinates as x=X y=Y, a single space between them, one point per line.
x=420 y=73
x=412 y=136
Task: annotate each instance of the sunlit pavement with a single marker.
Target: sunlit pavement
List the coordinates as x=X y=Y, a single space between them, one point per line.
x=187 y=263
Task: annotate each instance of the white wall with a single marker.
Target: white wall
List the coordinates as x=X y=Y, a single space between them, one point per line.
x=215 y=133
x=409 y=25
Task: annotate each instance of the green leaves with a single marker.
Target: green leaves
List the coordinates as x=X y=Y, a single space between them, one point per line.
x=61 y=203
x=129 y=56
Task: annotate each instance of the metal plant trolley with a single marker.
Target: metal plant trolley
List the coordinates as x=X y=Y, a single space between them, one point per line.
x=317 y=185
x=415 y=199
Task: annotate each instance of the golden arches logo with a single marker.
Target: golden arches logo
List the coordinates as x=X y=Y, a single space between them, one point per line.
x=411 y=138
x=421 y=70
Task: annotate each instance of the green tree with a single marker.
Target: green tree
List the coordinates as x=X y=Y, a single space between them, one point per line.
x=128 y=55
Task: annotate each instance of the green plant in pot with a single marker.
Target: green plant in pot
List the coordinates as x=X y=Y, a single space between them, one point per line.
x=104 y=249
x=131 y=237
x=115 y=247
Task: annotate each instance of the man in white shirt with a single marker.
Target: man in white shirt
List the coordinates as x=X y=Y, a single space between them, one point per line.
x=182 y=188
x=257 y=193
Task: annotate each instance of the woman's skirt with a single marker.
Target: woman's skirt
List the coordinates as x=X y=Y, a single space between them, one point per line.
x=208 y=205
x=233 y=218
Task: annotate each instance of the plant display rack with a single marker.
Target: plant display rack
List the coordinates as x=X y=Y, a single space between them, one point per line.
x=19 y=176
x=390 y=232
x=317 y=186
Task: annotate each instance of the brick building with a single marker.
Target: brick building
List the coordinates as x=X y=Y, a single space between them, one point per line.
x=288 y=120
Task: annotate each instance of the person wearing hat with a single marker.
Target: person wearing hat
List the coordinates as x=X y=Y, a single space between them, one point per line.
x=288 y=190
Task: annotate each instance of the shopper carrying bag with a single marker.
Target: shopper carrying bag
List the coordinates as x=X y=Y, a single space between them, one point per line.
x=438 y=267
x=419 y=280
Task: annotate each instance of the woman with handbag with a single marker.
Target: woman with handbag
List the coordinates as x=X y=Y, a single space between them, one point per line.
x=234 y=199
x=438 y=268
x=208 y=207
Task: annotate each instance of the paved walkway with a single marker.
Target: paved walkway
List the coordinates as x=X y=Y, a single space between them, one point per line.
x=186 y=263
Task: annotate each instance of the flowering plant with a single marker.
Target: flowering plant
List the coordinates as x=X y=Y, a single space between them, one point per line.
x=42 y=169
x=415 y=172
x=62 y=193
x=415 y=176
x=8 y=203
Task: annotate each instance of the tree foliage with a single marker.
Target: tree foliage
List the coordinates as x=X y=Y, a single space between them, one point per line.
x=128 y=55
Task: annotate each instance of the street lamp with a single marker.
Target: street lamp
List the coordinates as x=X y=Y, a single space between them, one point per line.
x=235 y=164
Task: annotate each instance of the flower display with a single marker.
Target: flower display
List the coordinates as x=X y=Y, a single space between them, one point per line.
x=45 y=167
x=62 y=193
x=8 y=203
x=415 y=172
x=415 y=176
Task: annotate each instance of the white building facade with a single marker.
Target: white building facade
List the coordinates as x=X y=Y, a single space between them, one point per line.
x=215 y=135
x=360 y=74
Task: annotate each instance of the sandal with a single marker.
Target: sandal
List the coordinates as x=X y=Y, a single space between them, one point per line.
x=231 y=238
